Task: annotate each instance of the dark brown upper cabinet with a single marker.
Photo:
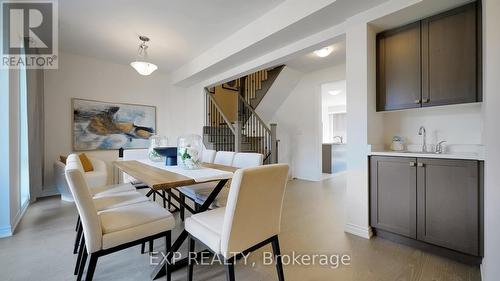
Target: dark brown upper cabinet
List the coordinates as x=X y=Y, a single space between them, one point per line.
x=436 y=61
x=398 y=68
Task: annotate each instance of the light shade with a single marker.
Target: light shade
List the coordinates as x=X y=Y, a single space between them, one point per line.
x=143 y=68
x=323 y=52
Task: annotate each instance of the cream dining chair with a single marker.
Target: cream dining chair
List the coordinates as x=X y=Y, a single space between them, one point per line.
x=250 y=220
x=115 y=229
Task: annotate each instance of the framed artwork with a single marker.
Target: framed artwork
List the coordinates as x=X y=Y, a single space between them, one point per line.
x=101 y=125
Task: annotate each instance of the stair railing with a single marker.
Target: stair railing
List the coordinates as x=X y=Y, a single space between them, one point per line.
x=217 y=122
x=255 y=133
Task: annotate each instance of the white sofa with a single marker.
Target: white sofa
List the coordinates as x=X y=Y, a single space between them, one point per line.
x=96 y=178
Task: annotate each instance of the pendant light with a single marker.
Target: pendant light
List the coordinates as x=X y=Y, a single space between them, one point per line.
x=141 y=65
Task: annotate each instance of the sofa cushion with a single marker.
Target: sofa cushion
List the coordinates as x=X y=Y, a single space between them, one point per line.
x=86 y=164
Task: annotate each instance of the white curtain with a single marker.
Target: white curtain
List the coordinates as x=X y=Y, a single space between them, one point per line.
x=35 y=99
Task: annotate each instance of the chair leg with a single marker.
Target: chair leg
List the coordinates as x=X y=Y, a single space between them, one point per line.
x=77 y=238
x=169 y=197
x=82 y=265
x=154 y=196
x=169 y=254
x=79 y=258
x=164 y=200
x=77 y=223
x=91 y=268
x=230 y=270
x=277 y=255
x=182 y=209
x=190 y=262
x=151 y=246
x=143 y=246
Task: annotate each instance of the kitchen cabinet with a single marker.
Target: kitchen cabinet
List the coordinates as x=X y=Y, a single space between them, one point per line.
x=435 y=61
x=450 y=69
x=434 y=201
x=394 y=195
x=399 y=68
x=448 y=204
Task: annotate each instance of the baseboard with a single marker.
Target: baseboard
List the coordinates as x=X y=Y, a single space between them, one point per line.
x=19 y=216
x=361 y=231
x=5 y=231
x=49 y=192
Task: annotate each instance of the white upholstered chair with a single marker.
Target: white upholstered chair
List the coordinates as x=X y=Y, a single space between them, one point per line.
x=250 y=220
x=117 y=228
x=208 y=156
x=198 y=193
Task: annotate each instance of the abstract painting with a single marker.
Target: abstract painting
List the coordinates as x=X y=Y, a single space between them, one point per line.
x=106 y=126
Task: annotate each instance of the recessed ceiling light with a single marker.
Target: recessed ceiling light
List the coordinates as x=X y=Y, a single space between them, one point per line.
x=334 y=92
x=324 y=52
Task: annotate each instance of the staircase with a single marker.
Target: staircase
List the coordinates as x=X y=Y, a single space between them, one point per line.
x=247 y=133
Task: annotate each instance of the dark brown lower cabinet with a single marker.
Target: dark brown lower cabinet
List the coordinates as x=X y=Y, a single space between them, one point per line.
x=448 y=204
x=434 y=201
x=394 y=195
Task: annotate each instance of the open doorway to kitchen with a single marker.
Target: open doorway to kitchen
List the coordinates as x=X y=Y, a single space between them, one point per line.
x=333 y=119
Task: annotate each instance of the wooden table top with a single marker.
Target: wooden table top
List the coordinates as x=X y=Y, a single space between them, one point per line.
x=159 y=179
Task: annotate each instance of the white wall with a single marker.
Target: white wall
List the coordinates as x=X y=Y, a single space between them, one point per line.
x=363 y=125
x=456 y=124
x=299 y=123
x=5 y=226
x=89 y=78
x=491 y=67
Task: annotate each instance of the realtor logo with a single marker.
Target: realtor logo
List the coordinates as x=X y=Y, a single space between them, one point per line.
x=29 y=34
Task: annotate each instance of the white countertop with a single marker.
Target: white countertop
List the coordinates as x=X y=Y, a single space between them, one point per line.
x=465 y=152
x=462 y=155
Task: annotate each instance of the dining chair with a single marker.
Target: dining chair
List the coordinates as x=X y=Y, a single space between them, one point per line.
x=250 y=220
x=198 y=193
x=208 y=156
x=115 y=229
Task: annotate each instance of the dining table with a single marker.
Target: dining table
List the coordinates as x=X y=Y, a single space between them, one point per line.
x=159 y=177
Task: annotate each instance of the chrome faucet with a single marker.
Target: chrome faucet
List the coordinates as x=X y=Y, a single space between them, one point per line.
x=339 y=137
x=423 y=133
x=439 y=147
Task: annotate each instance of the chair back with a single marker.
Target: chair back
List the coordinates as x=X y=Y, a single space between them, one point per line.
x=83 y=199
x=208 y=156
x=247 y=160
x=224 y=158
x=133 y=154
x=253 y=210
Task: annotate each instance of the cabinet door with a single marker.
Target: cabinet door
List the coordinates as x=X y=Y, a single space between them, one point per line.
x=398 y=68
x=448 y=204
x=393 y=194
x=450 y=57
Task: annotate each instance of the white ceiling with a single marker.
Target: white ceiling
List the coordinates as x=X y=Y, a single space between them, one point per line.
x=179 y=29
x=310 y=62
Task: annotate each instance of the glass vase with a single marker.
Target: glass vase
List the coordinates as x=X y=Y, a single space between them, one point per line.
x=189 y=150
x=156 y=141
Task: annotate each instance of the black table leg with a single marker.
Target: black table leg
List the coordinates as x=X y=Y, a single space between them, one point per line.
x=159 y=270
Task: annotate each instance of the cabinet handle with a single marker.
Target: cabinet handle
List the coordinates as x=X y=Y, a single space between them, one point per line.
x=417 y=101
x=412 y=164
x=420 y=164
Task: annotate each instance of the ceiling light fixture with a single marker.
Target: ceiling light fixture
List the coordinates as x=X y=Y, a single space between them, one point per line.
x=324 y=52
x=140 y=64
x=334 y=92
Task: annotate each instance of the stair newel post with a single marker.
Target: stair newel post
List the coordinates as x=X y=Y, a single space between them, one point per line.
x=237 y=136
x=274 y=144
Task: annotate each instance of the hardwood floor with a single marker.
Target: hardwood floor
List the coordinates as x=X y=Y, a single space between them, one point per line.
x=312 y=223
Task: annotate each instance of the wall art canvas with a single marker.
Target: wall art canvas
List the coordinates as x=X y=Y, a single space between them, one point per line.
x=106 y=126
